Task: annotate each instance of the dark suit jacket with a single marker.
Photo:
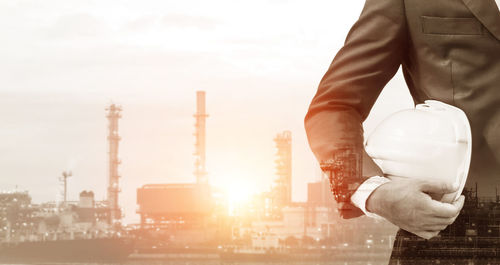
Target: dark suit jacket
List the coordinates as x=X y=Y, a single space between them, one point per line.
x=449 y=51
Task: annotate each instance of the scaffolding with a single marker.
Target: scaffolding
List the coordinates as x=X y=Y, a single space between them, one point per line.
x=283 y=188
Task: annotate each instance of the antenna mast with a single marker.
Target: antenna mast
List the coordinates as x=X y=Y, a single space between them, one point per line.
x=64 y=180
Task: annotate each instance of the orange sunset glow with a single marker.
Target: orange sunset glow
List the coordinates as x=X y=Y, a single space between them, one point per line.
x=64 y=63
x=103 y=135
x=175 y=132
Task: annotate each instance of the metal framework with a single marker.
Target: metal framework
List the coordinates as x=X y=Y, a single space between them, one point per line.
x=64 y=180
x=284 y=168
x=113 y=115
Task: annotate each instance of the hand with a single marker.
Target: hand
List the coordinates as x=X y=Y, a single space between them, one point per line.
x=407 y=204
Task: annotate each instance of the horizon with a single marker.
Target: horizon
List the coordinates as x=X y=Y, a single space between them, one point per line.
x=65 y=62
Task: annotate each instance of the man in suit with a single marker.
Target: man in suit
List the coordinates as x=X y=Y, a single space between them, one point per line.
x=449 y=51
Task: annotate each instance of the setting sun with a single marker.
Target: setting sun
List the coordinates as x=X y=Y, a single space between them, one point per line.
x=237 y=189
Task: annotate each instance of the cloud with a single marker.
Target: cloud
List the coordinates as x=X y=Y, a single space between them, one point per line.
x=77 y=26
x=142 y=23
x=187 y=21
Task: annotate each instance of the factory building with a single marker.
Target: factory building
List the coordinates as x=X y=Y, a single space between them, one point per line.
x=173 y=205
x=298 y=221
x=15 y=215
x=183 y=213
x=20 y=220
x=180 y=213
x=319 y=193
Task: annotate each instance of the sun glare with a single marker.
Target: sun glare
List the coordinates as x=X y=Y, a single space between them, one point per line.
x=239 y=192
x=237 y=189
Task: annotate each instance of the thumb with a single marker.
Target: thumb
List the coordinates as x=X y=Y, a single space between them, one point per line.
x=438 y=186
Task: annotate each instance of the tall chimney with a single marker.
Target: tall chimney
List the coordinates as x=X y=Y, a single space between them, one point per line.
x=113 y=114
x=200 y=116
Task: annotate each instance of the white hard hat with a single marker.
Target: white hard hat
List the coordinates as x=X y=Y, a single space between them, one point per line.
x=432 y=141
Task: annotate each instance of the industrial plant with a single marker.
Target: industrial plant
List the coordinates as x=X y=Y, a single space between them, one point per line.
x=60 y=230
x=190 y=219
x=197 y=215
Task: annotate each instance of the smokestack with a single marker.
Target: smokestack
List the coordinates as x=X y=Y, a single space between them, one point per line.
x=113 y=114
x=200 y=116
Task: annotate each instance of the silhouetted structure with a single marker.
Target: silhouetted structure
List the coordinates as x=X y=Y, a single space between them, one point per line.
x=64 y=180
x=474 y=237
x=319 y=193
x=176 y=203
x=283 y=188
x=181 y=213
x=113 y=115
x=77 y=231
x=345 y=166
x=15 y=215
x=176 y=214
x=200 y=152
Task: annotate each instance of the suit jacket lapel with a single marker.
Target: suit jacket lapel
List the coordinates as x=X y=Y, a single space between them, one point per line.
x=487 y=12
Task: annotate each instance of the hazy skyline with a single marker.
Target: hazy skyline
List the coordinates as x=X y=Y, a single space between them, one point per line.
x=259 y=62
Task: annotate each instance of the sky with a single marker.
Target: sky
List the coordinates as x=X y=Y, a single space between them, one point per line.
x=62 y=62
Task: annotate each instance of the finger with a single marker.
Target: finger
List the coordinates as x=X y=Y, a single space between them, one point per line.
x=427 y=234
x=434 y=227
x=446 y=221
x=443 y=220
x=433 y=233
x=435 y=223
x=448 y=215
x=459 y=203
x=441 y=187
x=442 y=209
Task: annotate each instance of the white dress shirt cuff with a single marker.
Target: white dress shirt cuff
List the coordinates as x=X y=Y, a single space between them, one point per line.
x=364 y=191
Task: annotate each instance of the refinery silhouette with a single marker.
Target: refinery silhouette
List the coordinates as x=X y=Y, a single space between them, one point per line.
x=189 y=220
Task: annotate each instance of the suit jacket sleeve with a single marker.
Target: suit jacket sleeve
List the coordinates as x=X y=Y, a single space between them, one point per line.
x=371 y=55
